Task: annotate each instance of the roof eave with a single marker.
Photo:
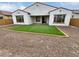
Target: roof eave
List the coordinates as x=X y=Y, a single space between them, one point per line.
x=20 y=10
x=59 y=8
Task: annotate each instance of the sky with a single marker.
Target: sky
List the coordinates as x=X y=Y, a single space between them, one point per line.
x=12 y=6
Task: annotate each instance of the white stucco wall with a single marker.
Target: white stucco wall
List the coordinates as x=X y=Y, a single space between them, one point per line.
x=27 y=18
x=39 y=9
x=56 y=12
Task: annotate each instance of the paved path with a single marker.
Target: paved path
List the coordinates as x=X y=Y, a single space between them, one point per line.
x=1 y=26
x=28 y=44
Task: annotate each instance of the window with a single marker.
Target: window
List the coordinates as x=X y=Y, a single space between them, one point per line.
x=1 y=17
x=37 y=19
x=59 y=18
x=20 y=18
x=72 y=16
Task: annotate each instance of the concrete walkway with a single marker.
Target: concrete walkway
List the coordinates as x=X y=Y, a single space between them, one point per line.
x=5 y=25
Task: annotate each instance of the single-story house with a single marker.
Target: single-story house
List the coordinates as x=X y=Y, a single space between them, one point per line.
x=43 y=13
x=5 y=17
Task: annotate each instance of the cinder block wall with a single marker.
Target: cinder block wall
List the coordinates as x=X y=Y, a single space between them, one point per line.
x=6 y=21
x=74 y=22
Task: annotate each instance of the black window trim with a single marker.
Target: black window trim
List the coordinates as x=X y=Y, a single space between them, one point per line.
x=1 y=18
x=21 y=18
x=59 y=22
x=37 y=18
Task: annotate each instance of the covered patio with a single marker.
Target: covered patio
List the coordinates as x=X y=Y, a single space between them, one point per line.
x=40 y=19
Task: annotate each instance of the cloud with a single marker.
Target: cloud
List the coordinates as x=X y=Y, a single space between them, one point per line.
x=22 y=7
x=11 y=6
x=7 y=7
x=70 y=5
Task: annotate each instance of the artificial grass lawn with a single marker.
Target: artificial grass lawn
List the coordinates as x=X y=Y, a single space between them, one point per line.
x=38 y=28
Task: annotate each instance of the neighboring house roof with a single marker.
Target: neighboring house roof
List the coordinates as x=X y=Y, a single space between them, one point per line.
x=60 y=8
x=21 y=10
x=40 y=3
x=76 y=11
x=5 y=12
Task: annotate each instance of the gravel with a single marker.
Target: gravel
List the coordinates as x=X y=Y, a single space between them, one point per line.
x=18 y=44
